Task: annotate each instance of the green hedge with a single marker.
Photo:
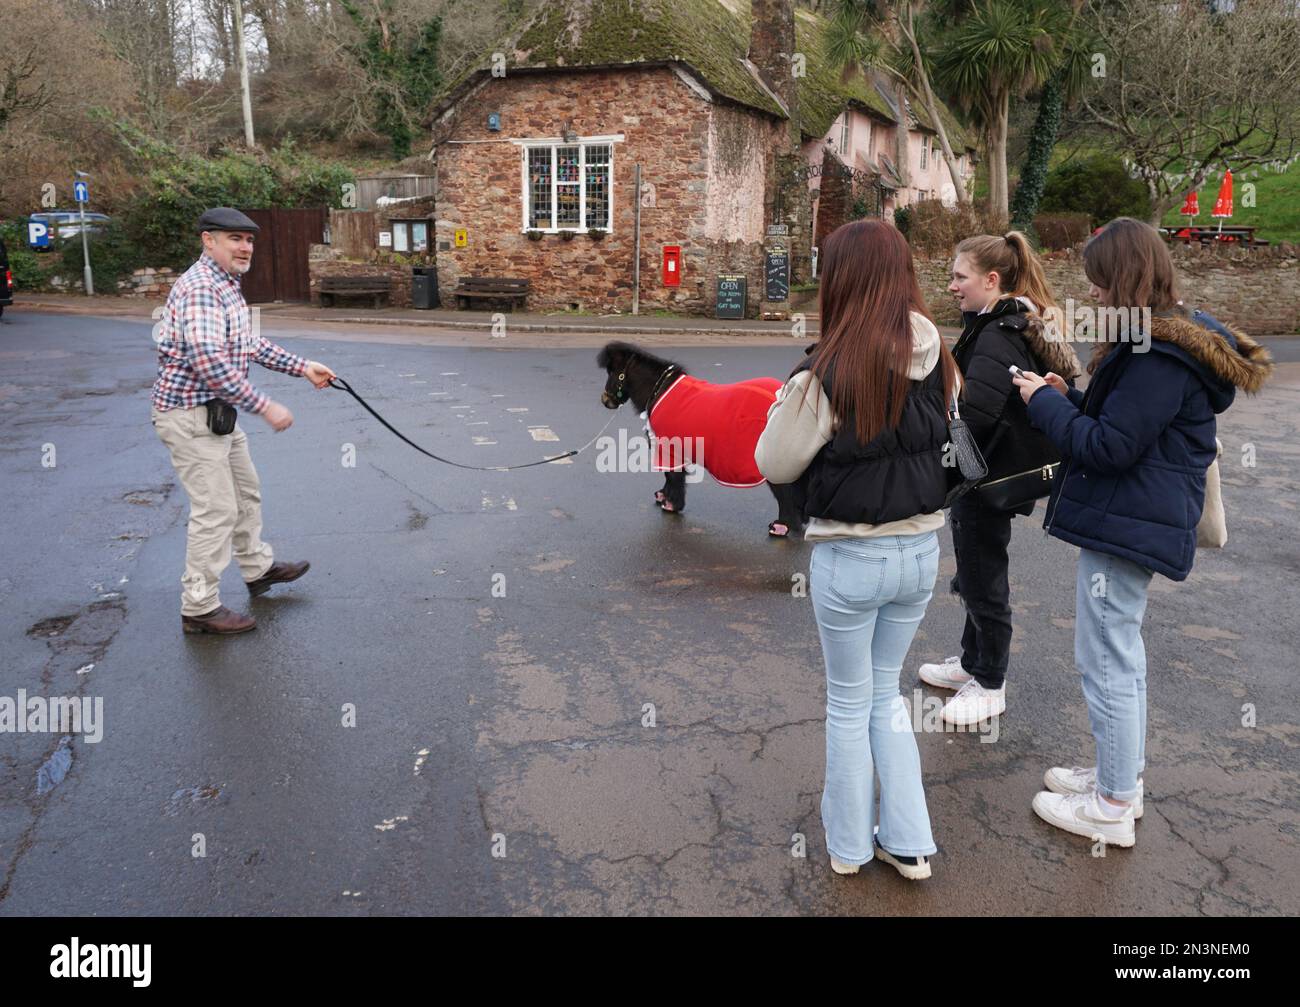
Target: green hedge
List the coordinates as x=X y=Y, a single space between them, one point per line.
x=114 y=254
x=1098 y=186
x=160 y=217
x=29 y=271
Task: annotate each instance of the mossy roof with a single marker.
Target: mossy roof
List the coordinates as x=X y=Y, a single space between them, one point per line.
x=709 y=37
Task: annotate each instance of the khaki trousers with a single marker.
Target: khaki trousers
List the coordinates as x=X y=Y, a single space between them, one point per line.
x=225 y=504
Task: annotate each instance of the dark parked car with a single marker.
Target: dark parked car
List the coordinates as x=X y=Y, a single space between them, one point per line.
x=6 y=279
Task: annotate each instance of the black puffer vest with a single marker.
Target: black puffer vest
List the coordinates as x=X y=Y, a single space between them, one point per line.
x=898 y=475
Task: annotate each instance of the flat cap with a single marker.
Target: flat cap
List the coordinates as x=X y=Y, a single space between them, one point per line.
x=223 y=218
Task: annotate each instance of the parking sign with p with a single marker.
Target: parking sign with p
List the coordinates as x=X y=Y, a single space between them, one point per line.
x=38 y=234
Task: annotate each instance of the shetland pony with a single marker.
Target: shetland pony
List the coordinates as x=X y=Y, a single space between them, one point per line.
x=697 y=422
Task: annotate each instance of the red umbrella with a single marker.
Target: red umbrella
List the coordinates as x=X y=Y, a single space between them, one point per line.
x=1223 y=205
x=1192 y=206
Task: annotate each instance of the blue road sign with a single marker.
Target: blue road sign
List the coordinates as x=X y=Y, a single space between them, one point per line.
x=81 y=191
x=38 y=234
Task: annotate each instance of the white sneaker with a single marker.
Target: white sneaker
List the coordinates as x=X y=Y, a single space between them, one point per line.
x=1081 y=780
x=974 y=703
x=912 y=868
x=947 y=675
x=1082 y=815
x=841 y=868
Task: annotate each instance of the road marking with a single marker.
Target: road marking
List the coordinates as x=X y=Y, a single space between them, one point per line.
x=542 y=434
x=562 y=461
x=477 y=423
x=483 y=441
x=516 y=409
x=411 y=375
x=450 y=374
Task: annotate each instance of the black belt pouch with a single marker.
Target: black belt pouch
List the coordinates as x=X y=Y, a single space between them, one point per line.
x=221 y=416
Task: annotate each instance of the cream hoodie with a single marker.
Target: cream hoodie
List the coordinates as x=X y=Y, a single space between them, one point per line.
x=799 y=424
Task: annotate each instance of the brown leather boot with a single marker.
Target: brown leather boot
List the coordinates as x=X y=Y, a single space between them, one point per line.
x=279 y=573
x=220 y=620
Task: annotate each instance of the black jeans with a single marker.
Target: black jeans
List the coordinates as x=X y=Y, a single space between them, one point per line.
x=980 y=538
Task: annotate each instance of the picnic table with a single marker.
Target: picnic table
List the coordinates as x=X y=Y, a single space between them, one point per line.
x=1230 y=233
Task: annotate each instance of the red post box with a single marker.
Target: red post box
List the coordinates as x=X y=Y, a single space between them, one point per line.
x=672 y=265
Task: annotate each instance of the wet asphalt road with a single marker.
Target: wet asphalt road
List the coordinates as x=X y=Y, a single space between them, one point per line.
x=500 y=635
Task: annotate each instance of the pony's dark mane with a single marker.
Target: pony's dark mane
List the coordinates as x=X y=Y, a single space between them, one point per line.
x=635 y=352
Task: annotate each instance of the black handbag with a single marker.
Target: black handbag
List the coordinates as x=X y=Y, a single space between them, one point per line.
x=221 y=416
x=1013 y=492
x=970 y=466
x=1016 y=491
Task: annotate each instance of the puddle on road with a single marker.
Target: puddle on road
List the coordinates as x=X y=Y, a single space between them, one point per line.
x=52 y=626
x=55 y=768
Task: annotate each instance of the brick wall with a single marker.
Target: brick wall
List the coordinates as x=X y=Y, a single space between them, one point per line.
x=322 y=261
x=1257 y=291
x=692 y=152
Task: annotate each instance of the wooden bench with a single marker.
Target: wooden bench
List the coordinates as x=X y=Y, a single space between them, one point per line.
x=491 y=288
x=377 y=287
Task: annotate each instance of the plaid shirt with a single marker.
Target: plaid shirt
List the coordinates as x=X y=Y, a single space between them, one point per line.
x=206 y=340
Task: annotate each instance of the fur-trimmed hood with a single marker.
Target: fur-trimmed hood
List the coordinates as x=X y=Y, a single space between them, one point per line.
x=1224 y=355
x=1058 y=354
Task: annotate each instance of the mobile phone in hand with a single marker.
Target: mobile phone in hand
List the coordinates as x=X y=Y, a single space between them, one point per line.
x=1016 y=371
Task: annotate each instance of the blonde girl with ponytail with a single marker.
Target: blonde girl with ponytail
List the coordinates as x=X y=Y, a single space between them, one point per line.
x=1004 y=297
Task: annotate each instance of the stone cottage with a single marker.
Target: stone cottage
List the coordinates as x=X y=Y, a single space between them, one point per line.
x=537 y=153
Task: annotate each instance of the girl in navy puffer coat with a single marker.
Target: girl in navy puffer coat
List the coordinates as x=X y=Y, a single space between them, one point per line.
x=1135 y=448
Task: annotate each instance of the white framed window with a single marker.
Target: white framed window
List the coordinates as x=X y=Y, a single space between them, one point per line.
x=925 y=149
x=844 y=134
x=568 y=186
x=410 y=235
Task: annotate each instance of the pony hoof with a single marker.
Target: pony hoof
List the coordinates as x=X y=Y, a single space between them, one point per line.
x=668 y=508
x=659 y=497
x=778 y=529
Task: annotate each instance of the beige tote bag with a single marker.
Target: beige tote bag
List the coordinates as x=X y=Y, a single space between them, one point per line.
x=1212 y=532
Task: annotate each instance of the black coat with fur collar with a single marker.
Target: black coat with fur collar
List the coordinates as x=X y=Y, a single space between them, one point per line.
x=991 y=404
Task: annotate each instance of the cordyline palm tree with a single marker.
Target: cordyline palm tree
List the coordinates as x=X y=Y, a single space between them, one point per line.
x=1000 y=49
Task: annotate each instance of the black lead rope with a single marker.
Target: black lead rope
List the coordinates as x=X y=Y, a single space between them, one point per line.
x=339 y=383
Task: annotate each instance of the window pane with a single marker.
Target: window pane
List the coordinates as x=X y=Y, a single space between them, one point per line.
x=598 y=186
x=567 y=198
x=400 y=243
x=567 y=171
x=539 y=187
x=420 y=236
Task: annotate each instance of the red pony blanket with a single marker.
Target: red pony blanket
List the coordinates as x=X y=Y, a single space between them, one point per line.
x=717 y=426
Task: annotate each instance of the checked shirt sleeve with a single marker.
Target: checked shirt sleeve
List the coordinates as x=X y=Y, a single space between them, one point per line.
x=277 y=358
x=204 y=345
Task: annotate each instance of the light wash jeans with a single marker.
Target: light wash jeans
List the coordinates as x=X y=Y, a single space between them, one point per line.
x=869 y=596
x=1110 y=601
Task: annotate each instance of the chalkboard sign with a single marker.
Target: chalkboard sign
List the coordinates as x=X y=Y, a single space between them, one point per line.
x=776 y=271
x=731 y=295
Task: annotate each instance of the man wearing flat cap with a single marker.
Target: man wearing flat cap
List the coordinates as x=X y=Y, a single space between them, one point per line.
x=205 y=343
